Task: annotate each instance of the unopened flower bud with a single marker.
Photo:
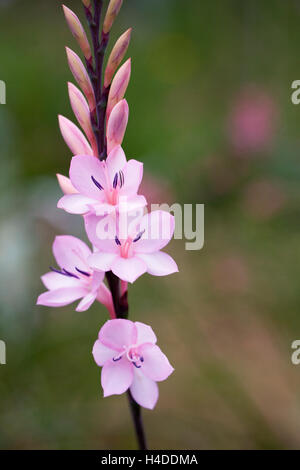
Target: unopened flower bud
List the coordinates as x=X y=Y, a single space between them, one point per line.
x=87 y=3
x=112 y=11
x=81 y=77
x=81 y=110
x=73 y=137
x=78 y=32
x=116 y=56
x=118 y=86
x=116 y=125
x=65 y=184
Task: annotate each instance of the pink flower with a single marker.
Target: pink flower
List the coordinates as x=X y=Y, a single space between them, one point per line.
x=130 y=358
x=75 y=279
x=131 y=256
x=100 y=184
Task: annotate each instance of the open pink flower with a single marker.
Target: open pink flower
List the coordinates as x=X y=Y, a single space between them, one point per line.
x=131 y=256
x=75 y=279
x=100 y=184
x=130 y=359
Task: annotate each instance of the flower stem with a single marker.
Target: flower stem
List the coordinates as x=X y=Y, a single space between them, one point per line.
x=99 y=126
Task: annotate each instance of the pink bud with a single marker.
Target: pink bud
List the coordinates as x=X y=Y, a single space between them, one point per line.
x=112 y=11
x=65 y=184
x=78 y=32
x=116 y=56
x=82 y=78
x=82 y=113
x=119 y=86
x=116 y=125
x=73 y=137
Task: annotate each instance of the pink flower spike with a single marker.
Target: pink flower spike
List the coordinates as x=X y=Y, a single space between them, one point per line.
x=73 y=137
x=74 y=279
x=81 y=76
x=130 y=358
x=78 y=32
x=116 y=125
x=139 y=252
x=101 y=185
x=65 y=184
x=81 y=110
x=119 y=86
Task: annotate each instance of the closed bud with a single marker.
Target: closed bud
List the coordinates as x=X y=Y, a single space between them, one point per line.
x=81 y=110
x=78 y=32
x=112 y=11
x=65 y=184
x=73 y=137
x=116 y=56
x=117 y=124
x=87 y=4
x=81 y=77
x=118 y=86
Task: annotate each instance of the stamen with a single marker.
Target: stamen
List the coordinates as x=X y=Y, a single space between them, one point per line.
x=64 y=272
x=135 y=365
x=117 y=241
x=115 y=359
x=139 y=236
x=115 y=182
x=121 y=176
x=82 y=272
x=96 y=183
x=69 y=274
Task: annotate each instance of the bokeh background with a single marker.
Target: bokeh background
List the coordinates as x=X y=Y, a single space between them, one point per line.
x=212 y=119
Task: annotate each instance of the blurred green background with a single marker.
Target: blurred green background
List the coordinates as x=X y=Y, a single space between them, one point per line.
x=211 y=117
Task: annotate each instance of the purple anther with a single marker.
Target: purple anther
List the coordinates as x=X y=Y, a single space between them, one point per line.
x=117 y=241
x=96 y=183
x=139 y=236
x=82 y=272
x=115 y=182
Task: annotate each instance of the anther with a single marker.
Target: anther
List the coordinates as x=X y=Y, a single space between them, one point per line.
x=96 y=183
x=115 y=182
x=139 y=236
x=82 y=272
x=117 y=241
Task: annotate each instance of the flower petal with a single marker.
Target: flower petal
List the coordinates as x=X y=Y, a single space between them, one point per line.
x=144 y=390
x=128 y=269
x=61 y=297
x=116 y=334
x=102 y=261
x=159 y=263
x=133 y=175
x=54 y=280
x=156 y=364
x=145 y=333
x=76 y=203
x=82 y=169
x=71 y=252
x=159 y=227
x=86 y=302
x=102 y=354
x=116 y=377
x=65 y=184
x=97 y=280
x=115 y=161
x=101 y=232
x=133 y=203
